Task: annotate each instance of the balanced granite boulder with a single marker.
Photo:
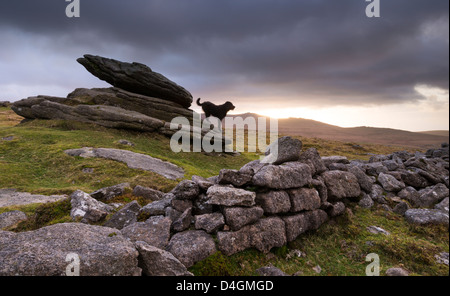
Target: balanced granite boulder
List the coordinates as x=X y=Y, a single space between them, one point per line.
x=136 y=78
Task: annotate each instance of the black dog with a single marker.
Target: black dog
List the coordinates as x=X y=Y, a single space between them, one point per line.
x=218 y=111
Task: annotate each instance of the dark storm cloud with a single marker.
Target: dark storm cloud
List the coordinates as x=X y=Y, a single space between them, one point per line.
x=308 y=52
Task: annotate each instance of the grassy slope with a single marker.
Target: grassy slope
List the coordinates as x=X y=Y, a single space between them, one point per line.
x=34 y=161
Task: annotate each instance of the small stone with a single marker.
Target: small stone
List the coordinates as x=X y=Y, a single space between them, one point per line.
x=377 y=230
x=270 y=271
x=125 y=142
x=397 y=271
x=442 y=258
x=108 y=193
x=317 y=269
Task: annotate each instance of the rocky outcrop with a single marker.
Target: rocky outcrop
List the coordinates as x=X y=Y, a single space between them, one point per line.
x=136 y=78
x=142 y=100
x=44 y=107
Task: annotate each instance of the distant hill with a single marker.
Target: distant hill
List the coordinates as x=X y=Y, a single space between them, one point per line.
x=436 y=133
x=385 y=136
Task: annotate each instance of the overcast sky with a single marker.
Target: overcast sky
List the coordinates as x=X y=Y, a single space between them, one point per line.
x=318 y=59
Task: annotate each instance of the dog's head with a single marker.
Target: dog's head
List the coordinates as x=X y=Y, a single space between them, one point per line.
x=229 y=106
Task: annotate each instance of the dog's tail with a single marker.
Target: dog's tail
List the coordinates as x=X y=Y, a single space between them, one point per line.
x=198 y=102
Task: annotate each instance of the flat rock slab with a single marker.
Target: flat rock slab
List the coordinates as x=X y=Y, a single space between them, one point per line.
x=10 y=197
x=133 y=160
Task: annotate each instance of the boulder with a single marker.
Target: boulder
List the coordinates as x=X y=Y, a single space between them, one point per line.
x=410 y=194
x=234 y=177
x=88 y=209
x=155 y=231
x=377 y=194
x=183 y=221
x=210 y=223
x=312 y=158
x=334 y=209
x=327 y=160
x=300 y=223
x=443 y=205
x=252 y=167
x=319 y=184
x=295 y=225
x=274 y=202
x=157 y=208
x=191 y=246
x=148 y=193
x=283 y=150
x=341 y=185
x=157 y=262
x=263 y=235
x=412 y=178
x=365 y=182
x=202 y=183
x=401 y=208
x=229 y=196
x=186 y=190
x=238 y=217
x=432 y=195
x=11 y=218
x=337 y=167
x=200 y=205
x=125 y=216
x=378 y=158
x=426 y=216
x=136 y=78
x=375 y=168
x=390 y=183
x=101 y=251
x=108 y=193
x=304 y=199
x=285 y=176
x=181 y=205
x=366 y=201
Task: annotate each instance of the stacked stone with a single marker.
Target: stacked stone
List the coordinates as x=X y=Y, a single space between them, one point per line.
x=264 y=204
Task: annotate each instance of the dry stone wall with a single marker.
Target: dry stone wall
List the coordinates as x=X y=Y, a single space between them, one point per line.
x=259 y=206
